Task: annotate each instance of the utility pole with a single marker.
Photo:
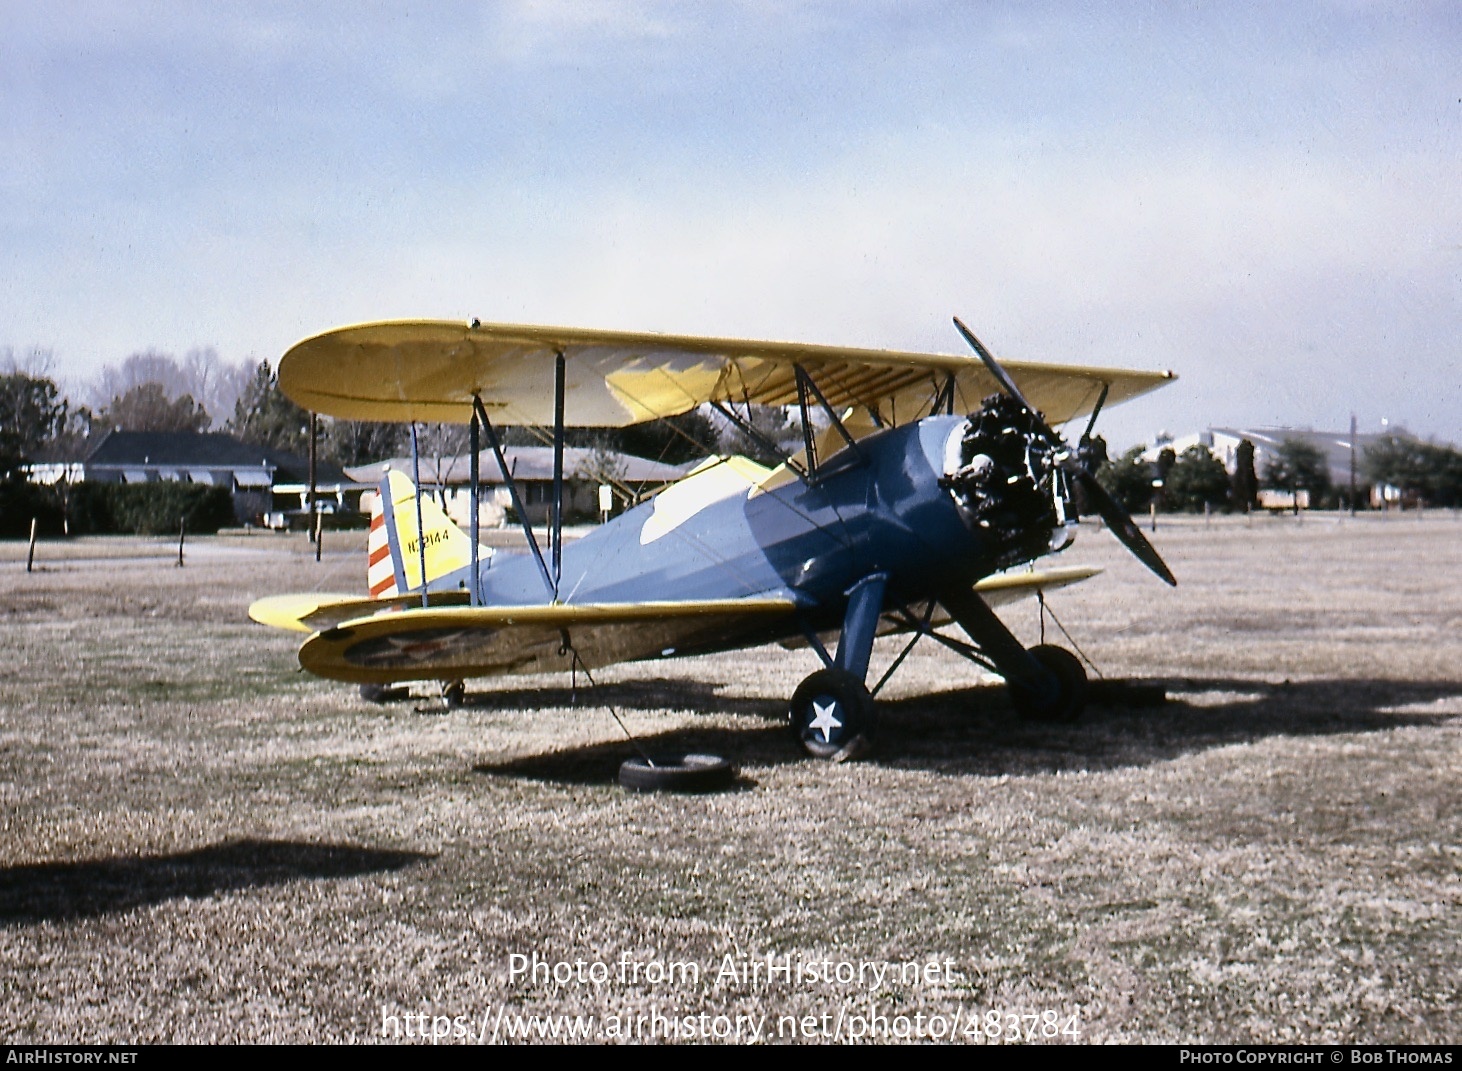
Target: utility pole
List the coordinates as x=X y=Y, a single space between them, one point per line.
x=1352 y=464
x=314 y=509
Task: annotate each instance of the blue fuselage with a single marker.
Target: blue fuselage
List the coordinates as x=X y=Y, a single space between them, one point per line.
x=728 y=532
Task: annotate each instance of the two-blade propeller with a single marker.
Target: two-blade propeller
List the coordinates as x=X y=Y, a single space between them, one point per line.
x=1108 y=508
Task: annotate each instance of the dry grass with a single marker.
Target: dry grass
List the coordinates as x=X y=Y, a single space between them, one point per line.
x=200 y=843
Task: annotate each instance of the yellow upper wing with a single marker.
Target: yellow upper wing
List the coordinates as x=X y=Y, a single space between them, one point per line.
x=430 y=370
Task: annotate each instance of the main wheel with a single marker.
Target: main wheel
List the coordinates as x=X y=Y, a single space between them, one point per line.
x=833 y=715
x=454 y=694
x=1070 y=697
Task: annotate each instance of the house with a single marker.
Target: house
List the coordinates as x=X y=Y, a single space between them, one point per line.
x=585 y=470
x=1334 y=446
x=261 y=481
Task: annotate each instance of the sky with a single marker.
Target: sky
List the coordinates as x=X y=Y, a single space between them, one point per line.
x=1264 y=198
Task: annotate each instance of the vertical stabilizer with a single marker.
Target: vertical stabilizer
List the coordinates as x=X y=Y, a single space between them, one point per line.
x=393 y=549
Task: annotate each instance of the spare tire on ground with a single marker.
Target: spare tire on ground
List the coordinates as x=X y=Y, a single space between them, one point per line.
x=676 y=773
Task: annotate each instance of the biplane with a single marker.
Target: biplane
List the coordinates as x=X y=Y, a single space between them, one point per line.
x=924 y=489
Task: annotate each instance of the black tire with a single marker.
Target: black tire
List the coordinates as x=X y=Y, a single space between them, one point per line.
x=676 y=773
x=1070 y=699
x=454 y=694
x=833 y=716
x=381 y=694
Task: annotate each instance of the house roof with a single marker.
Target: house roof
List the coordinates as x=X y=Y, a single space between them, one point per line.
x=203 y=450
x=182 y=449
x=526 y=463
x=292 y=469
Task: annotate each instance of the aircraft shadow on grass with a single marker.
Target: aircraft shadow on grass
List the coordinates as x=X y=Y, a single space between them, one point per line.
x=646 y=695
x=974 y=731
x=54 y=892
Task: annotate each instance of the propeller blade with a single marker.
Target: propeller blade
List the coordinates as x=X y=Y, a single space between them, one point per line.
x=1001 y=376
x=1122 y=526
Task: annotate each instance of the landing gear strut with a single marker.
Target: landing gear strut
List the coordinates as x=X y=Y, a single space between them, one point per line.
x=1046 y=683
x=833 y=715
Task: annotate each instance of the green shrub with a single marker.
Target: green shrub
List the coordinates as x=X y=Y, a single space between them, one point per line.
x=20 y=501
x=148 y=508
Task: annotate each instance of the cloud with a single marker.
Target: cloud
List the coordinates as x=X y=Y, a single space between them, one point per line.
x=568 y=33
x=1251 y=200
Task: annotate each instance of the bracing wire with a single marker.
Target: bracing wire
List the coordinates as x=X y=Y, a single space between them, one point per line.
x=1046 y=609
x=577 y=664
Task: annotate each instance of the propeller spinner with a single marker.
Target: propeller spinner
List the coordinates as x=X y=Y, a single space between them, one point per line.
x=1108 y=508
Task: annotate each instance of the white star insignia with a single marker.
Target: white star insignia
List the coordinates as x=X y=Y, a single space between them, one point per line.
x=825 y=720
x=422 y=650
x=411 y=648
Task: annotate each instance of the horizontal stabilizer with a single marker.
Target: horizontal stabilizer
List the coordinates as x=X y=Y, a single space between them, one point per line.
x=315 y=611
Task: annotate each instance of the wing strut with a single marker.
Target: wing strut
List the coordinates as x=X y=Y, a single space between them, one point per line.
x=555 y=535
x=805 y=386
x=502 y=464
x=745 y=426
x=420 y=528
x=474 y=477
x=944 y=396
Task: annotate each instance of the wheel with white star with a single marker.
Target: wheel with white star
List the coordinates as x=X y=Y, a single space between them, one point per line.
x=833 y=715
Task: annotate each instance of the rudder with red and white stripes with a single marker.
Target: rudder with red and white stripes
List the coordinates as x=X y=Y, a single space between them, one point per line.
x=380 y=570
x=394 y=552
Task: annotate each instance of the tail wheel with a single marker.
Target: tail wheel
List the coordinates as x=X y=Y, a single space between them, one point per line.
x=454 y=693
x=1070 y=698
x=833 y=715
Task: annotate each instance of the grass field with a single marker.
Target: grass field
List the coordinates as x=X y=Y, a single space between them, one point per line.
x=201 y=843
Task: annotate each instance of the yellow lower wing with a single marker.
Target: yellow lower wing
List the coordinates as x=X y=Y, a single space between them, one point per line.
x=996 y=590
x=1007 y=587
x=480 y=641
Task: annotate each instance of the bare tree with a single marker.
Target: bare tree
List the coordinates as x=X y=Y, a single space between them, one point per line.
x=36 y=362
x=149 y=366
x=147 y=407
x=213 y=384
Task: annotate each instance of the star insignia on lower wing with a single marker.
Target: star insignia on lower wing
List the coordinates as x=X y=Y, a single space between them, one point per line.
x=410 y=648
x=825 y=720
